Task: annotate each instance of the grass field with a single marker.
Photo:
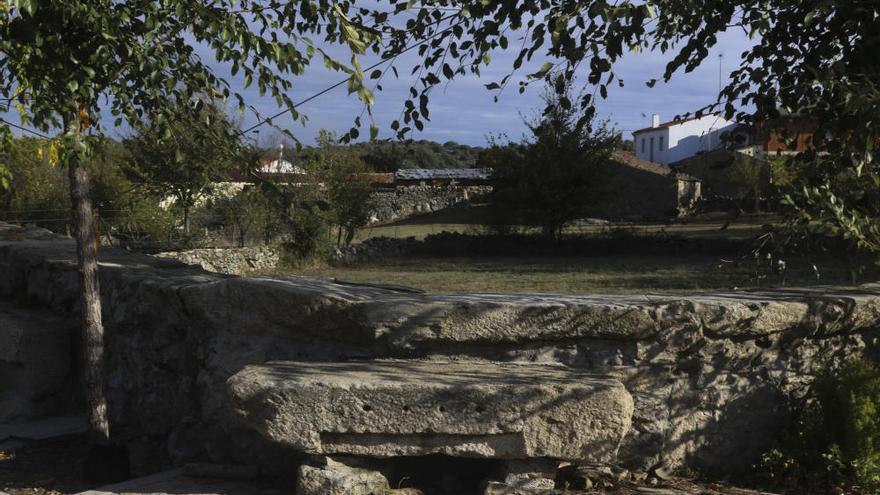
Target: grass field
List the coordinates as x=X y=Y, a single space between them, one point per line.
x=474 y=220
x=615 y=274
x=584 y=274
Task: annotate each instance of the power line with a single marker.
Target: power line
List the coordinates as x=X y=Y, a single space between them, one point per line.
x=25 y=129
x=344 y=81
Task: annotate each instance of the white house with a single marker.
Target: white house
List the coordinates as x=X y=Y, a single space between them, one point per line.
x=280 y=165
x=676 y=140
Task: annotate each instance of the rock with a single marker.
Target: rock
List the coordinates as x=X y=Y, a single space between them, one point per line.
x=495 y=488
x=336 y=478
x=532 y=473
x=461 y=409
x=584 y=477
x=35 y=364
x=532 y=483
x=661 y=472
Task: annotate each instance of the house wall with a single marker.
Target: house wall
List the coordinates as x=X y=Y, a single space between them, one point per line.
x=643 y=145
x=683 y=140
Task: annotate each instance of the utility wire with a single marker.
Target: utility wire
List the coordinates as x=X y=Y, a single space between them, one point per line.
x=344 y=81
x=25 y=129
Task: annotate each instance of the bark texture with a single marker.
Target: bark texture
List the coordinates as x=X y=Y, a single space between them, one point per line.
x=90 y=305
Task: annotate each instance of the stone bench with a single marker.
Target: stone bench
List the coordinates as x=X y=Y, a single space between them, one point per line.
x=413 y=408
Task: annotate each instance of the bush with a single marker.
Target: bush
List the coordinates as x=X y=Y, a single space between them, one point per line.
x=836 y=439
x=554 y=175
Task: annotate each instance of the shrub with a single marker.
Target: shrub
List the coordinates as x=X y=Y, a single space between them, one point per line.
x=556 y=173
x=836 y=438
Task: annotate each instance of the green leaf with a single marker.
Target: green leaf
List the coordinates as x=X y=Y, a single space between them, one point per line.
x=542 y=71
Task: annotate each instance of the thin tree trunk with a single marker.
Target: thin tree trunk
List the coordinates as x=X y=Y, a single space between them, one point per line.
x=186 y=220
x=90 y=305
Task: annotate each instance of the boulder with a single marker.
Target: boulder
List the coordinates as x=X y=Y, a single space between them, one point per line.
x=336 y=478
x=412 y=408
x=496 y=488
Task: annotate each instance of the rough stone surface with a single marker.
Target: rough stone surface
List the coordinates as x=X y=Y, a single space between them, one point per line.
x=412 y=200
x=232 y=261
x=336 y=478
x=175 y=482
x=36 y=370
x=538 y=488
x=711 y=374
x=405 y=408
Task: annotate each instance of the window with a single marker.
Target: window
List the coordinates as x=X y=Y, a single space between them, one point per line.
x=643 y=145
x=660 y=145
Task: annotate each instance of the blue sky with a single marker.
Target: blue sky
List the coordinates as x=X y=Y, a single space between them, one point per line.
x=464 y=111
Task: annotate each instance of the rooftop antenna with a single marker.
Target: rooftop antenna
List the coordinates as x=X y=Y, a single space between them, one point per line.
x=720 y=72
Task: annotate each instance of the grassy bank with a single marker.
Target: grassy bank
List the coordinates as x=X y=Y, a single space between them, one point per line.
x=569 y=275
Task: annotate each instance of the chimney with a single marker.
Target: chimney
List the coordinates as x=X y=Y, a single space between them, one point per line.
x=655 y=120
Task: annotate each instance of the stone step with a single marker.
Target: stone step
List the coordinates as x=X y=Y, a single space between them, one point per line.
x=178 y=483
x=45 y=429
x=412 y=408
x=37 y=376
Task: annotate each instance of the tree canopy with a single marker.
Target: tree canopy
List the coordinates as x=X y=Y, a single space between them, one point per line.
x=199 y=152
x=552 y=176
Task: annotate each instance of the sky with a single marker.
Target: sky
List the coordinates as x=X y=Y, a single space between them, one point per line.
x=464 y=111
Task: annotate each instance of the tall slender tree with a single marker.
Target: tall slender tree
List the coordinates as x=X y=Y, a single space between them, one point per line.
x=67 y=64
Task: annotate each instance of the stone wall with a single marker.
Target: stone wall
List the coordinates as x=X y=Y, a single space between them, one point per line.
x=232 y=261
x=406 y=201
x=712 y=375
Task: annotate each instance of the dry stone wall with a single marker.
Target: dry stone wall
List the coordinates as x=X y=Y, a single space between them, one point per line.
x=711 y=375
x=232 y=261
x=410 y=200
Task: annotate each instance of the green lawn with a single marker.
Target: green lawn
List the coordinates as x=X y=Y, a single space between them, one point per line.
x=615 y=274
x=573 y=275
x=474 y=220
x=421 y=230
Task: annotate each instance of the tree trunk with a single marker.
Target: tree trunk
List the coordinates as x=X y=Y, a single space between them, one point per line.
x=90 y=305
x=186 y=220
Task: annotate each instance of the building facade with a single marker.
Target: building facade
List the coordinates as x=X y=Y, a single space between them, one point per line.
x=673 y=141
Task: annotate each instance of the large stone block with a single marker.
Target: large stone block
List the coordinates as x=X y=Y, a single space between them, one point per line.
x=36 y=373
x=406 y=408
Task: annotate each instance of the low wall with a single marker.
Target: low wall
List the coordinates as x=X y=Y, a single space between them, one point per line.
x=232 y=261
x=712 y=375
x=406 y=201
